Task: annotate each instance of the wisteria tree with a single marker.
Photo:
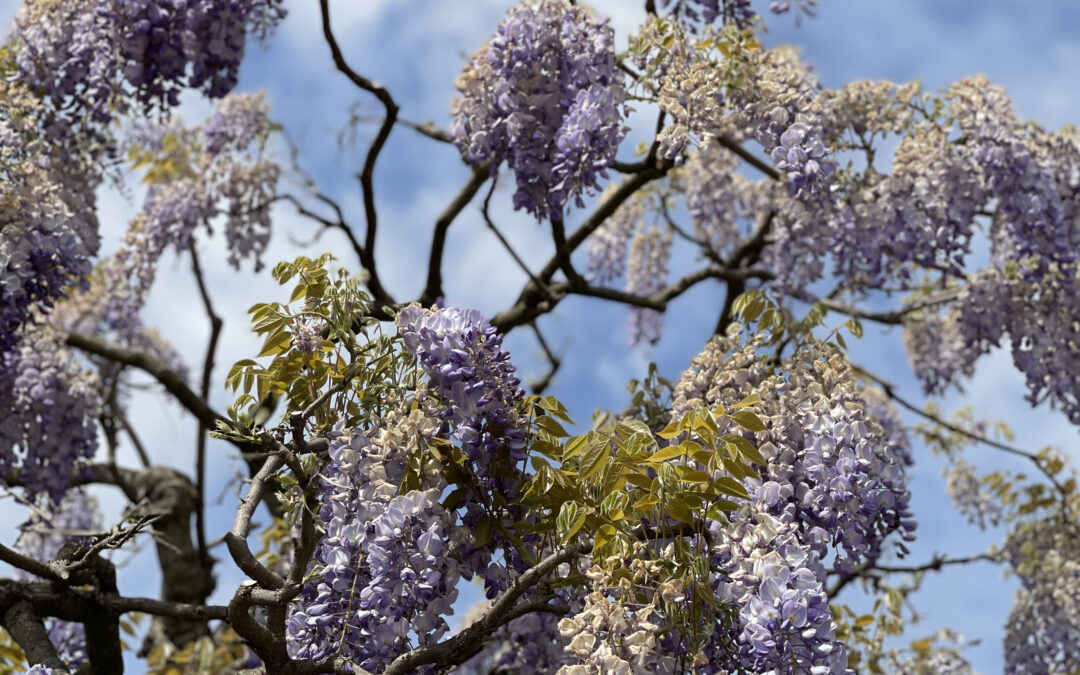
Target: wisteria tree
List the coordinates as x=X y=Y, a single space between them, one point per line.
x=717 y=523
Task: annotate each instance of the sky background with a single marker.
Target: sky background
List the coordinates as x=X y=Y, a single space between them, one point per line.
x=417 y=49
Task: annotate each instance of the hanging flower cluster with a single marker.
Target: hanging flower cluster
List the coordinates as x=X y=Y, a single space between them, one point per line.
x=543 y=95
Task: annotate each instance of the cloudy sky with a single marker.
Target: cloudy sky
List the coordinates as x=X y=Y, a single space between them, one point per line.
x=416 y=49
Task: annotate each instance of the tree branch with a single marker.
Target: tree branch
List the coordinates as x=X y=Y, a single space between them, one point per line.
x=529 y=304
x=236 y=540
x=892 y=317
x=367 y=258
x=27 y=629
x=485 y=211
x=339 y=224
x=427 y=128
x=748 y=157
x=433 y=289
x=204 y=391
x=562 y=253
x=890 y=391
x=543 y=383
x=137 y=358
x=935 y=564
x=464 y=645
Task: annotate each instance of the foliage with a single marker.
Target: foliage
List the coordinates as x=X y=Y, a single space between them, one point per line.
x=708 y=527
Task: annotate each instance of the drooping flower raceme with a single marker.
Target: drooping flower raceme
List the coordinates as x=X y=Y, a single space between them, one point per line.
x=1043 y=632
x=1038 y=316
x=777 y=584
x=974 y=501
x=384 y=569
x=196 y=174
x=646 y=273
x=51 y=406
x=832 y=469
x=606 y=246
x=543 y=95
x=41 y=538
x=48 y=231
x=472 y=374
x=89 y=57
x=475 y=382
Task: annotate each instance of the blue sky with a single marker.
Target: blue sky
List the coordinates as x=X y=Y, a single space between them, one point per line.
x=416 y=49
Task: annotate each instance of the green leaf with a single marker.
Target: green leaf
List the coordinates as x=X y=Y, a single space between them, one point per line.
x=596 y=455
x=748 y=401
x=745 y=448
x=855 y=326
x=667 y=453
x=678 y=509
x=483 y=533
x=570 y=520
x=604 y=534
x=638 y=480
x=645 y=503
x=729 y=486
x=550 y=425
x=719 y=507
x=275 y=344
x=692 y=476
x=553 y=406
x=748 y=420
x=673 y=429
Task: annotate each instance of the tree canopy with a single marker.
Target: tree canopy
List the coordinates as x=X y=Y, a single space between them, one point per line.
x=382 y=459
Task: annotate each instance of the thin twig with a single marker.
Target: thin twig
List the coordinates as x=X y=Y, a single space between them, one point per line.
x=502 y=240
x=204 y=391
x=892 y=317
x=890 y=391
x=433 y=289
x=935 y=564
x=379 y=294
x=543 y=383
x=339 y=224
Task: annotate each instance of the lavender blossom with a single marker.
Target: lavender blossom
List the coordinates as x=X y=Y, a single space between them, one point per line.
x=832 y=469
x=971 y=497
x=776 y=583
x=51 y=406
x=646 y=274
x=473 y=378
x=606 y=246
x=90 y=57
x=544 y=95
x=383 y=567
x=41 y=538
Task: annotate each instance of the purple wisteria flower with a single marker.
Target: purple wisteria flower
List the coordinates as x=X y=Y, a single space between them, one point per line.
x=646 y=273
x=90 y=56
x=41 y=538
x=468 y=369
x=49 y=429
x=480 y=397
x=48 y=230
x=776 y=582
x=1043 y=632
x=833 y=469
x=383 y=565
x=544 y=95
x=606 y=246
